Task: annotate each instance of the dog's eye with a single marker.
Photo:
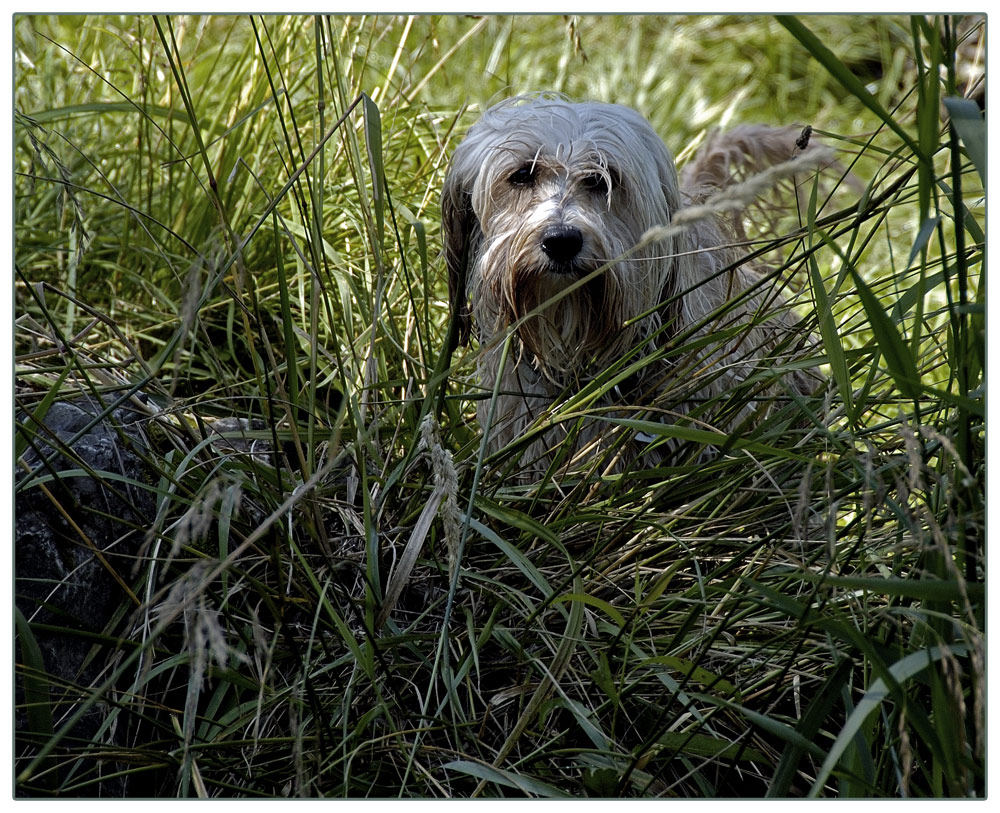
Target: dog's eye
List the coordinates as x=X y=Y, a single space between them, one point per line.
x=525 y=176
x=596 y=183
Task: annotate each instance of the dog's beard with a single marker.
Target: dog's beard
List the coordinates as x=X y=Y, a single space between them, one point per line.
x=562 y=331
x=571 y=318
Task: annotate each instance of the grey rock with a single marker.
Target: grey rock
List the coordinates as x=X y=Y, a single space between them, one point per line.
x=70 y=543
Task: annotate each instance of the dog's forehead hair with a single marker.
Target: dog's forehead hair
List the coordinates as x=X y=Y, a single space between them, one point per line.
x=552 y=135
x=568 y=138
x=563 y=158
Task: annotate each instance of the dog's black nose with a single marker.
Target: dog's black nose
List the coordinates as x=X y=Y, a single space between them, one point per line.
x=562 y=243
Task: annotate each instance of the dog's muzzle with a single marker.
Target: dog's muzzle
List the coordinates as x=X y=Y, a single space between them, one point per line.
x=561 y=245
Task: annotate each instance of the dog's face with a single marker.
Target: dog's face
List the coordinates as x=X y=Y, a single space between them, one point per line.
x=540 y=196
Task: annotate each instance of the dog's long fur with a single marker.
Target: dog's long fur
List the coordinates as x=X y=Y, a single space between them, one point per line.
x=544 y=195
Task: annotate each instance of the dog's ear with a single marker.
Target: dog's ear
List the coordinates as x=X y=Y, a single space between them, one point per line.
x=460 y=231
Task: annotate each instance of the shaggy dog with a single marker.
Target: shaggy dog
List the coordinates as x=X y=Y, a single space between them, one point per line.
x=574 y=250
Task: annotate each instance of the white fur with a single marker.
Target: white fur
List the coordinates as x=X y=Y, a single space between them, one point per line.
x=532 y=165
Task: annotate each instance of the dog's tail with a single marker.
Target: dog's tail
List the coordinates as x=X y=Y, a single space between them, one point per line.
x=733 y=170
x=733 y=156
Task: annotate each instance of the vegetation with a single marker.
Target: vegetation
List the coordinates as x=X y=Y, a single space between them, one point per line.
x=238 y=217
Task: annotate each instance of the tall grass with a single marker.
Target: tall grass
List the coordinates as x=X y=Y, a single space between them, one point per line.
x=222 y=217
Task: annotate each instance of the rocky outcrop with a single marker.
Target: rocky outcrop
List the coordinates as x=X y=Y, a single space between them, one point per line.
x=80 y=513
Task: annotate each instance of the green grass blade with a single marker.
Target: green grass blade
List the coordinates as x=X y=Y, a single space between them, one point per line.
x=373 y=142
x=827 y=322
x=691 y=434
x=37 y=702
x=101 y=108
x=592 y=601
x=971 y=126
x=509 y=779
x=902 y=671
x=919 y=589
x=896 y=353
